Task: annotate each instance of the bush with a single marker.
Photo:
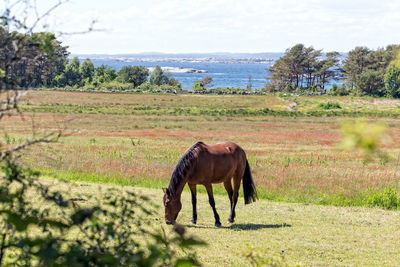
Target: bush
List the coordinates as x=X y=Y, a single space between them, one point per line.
x=136 y=75
x=329 y=105
x=371 y=83
x=388 y=199
x=338 y=91
x=115 y=86
x=42 y=227
x=392 y=79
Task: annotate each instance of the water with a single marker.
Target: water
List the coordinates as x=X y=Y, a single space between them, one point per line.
x=226 y=70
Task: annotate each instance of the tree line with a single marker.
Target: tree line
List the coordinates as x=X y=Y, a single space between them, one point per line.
x=37 y=66
x=301 y=69
x=362 y=72
x=77 y=74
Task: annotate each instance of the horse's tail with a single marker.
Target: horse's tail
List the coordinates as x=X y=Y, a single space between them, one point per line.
x=249 y=189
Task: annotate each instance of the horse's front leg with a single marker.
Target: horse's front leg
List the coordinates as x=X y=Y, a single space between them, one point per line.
x=212 y=203
x=194 y=202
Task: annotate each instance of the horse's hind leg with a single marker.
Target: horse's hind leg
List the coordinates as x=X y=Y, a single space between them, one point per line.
x=194 y=201
x=236 y=186
x=212 y=203
x=228 y=187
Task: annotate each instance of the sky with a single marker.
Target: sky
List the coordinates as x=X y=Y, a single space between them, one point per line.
x=205 y=26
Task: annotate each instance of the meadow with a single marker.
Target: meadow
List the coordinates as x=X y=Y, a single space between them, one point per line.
x=291 y=142
x=134 y=139
x=283 y=233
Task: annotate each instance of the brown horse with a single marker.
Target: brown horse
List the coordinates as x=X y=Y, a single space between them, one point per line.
x=202 y=164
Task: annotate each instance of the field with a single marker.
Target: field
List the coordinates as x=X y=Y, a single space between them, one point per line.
x=292 y=147
x=309 y=235
x=137 y=140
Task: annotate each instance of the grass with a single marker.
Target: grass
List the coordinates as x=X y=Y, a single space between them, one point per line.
x=308 y=234
x=136 y=140
x=293 y=159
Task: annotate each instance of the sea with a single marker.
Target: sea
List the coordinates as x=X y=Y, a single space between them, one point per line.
x=234 y=70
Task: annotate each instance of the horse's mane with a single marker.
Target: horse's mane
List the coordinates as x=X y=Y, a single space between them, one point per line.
x=182 y=168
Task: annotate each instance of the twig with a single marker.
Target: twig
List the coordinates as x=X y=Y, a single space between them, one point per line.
x=2 y=248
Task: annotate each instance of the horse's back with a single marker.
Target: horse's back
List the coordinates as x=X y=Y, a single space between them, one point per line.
x=216 y=163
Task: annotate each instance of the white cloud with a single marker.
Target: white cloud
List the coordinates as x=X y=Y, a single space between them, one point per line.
x=230 y=25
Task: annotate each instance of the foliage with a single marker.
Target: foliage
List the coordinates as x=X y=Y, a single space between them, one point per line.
x=31 y=59
x=304 y=67
x=387 y=199
x=202 y=85
x=365 y=70
x=371 y=82
x=392 y=78
x=329 y=105
x=135 y=75
x=157 y=76
x=86 y=71
x=71 y=75
x=107 y=232
x=365 y=137
x=199 y=87
x=206 y=81
x=338 y=90
x=104 y=74
x=40 y=226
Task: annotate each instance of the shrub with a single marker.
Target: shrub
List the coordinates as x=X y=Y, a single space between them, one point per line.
x=387 y=199
x=338 y=91
x=329 y=105
x=42 y=227
x=136 y=75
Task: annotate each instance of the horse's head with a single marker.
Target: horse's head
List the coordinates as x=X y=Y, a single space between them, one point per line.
x=172 y=206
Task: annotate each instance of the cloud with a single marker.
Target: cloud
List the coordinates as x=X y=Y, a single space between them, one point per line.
x=232 y=25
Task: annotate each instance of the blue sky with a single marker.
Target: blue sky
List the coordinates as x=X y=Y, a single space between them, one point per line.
x=183 y=26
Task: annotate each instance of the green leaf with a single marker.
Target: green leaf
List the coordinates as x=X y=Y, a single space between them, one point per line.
x=81 y=215
x=184 y=262
x=19 y=223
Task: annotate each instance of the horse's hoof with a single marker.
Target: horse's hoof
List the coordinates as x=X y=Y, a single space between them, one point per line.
x=218 y=224
x=230 y=221
x=193 y=222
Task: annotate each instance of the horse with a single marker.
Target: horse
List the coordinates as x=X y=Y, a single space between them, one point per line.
x=206 y=165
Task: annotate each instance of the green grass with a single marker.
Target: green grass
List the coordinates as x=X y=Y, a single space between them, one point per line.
x=389 y=198
x=308 y=234
x=211 y=105
x=293 y=159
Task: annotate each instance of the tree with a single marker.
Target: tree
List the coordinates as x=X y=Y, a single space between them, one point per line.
x=174 y=83
x=206 y=81
x=86 y=71
x=37 y=64
x=43 y=227
x=356 y=62
x=198 y=87
x=304 y=68
x=201 y=85
x=104 y=74
x=71 y=75
x=157 y=76
x=365 y=69
x=328 y=69
x=135 y=75
x=249 y=82
x=392 y=78
x=370 y=82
